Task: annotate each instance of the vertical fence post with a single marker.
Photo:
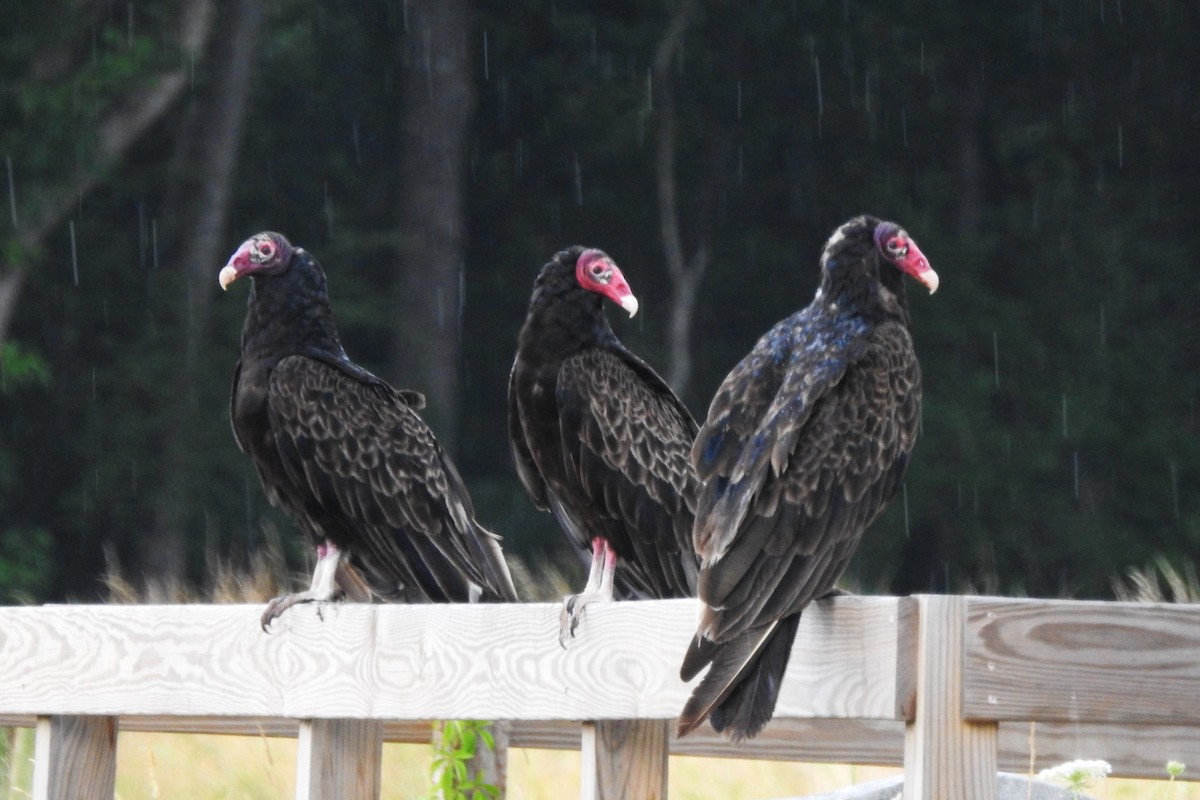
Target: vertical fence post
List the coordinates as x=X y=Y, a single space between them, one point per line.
x=75 y=758
x=624 y=758
x=945 y=756
x=339 y=759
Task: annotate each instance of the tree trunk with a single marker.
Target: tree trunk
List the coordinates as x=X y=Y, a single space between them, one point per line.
x=11 y=280
x=685 y=273
x=437 y=101
x=196 y=209
x=212 y=142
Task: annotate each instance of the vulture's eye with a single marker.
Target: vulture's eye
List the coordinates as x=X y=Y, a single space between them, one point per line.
x=897 y=247
x=600 y=272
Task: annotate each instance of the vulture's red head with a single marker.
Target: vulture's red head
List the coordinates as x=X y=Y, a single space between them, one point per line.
x=894 y=244
x=263 y=253
x=596 y=272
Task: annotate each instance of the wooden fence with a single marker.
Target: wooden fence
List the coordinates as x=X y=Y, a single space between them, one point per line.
x=951 y=687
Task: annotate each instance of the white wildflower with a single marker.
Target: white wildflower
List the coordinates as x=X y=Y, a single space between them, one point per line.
x=1078 y=774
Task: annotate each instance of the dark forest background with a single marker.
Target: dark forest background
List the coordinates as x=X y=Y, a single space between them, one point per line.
x=434 y=153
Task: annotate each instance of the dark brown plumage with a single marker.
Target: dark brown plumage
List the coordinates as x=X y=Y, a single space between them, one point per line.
x=599 y=439
x=805 y=441
x=345 y=454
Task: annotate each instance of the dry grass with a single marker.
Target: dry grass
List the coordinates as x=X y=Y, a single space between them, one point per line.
x=156 y=766
x=263 y=577
x=1160 y=582
x=266 y=576
x=200 y=767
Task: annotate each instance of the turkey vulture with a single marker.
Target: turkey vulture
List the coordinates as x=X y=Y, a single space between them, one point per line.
x=599 y=439
x=345 y=454
x=805 y=442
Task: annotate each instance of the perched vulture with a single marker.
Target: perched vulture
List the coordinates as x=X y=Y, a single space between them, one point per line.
x=599 y=439
x=805 y=442
x=345 y=454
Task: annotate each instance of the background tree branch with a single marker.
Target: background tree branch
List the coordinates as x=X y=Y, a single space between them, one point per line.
x=129 y=117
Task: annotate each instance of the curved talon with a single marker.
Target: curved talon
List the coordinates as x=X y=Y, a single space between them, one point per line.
x=274 y=608
x=574 y=605
x=271 y=613
x=568 y=620
x=280 y=604
x=324 y=585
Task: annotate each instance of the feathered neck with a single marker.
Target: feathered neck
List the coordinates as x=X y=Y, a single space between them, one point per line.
x=564 y=317
x=289 y=313
x=863 y=283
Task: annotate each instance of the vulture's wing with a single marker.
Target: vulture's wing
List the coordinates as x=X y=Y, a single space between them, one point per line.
x=626 y=440
x=527 y=470
x=365 y=454
x=829 y=451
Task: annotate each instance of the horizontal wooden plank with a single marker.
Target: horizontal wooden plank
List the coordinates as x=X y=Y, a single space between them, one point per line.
x=1135 y=751
x=1128 y=674
x=853 y=659
x=1067 y=661
x=418 y=662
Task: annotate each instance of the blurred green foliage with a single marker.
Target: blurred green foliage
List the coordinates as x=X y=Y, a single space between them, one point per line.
x=455 y=745
x=1043 y=155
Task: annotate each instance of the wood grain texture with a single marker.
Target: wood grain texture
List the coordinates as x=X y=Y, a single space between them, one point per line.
x=1134 y=751
x=75 y=758
x=210 y=669
x=417 y=662
x=1066 y=661
x=339 y=759
x=945 y=756
x=846 y=661
x=624 y=759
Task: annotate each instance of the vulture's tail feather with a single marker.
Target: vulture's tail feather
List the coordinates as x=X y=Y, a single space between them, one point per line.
x=742 y=686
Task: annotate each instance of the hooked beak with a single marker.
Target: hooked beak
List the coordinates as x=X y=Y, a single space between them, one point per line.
x=929 y=278
x=630 y=304
x=619 y=292
x=239 y=264
x=596 y=272
x=228 y=275
x=917 y=265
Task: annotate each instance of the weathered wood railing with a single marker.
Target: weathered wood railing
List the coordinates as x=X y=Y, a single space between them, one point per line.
x=947 y=686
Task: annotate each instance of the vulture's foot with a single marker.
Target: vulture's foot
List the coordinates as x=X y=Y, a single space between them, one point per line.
x=572 y=613
x=330 y=562
x=599 y=587
x=280 y=604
